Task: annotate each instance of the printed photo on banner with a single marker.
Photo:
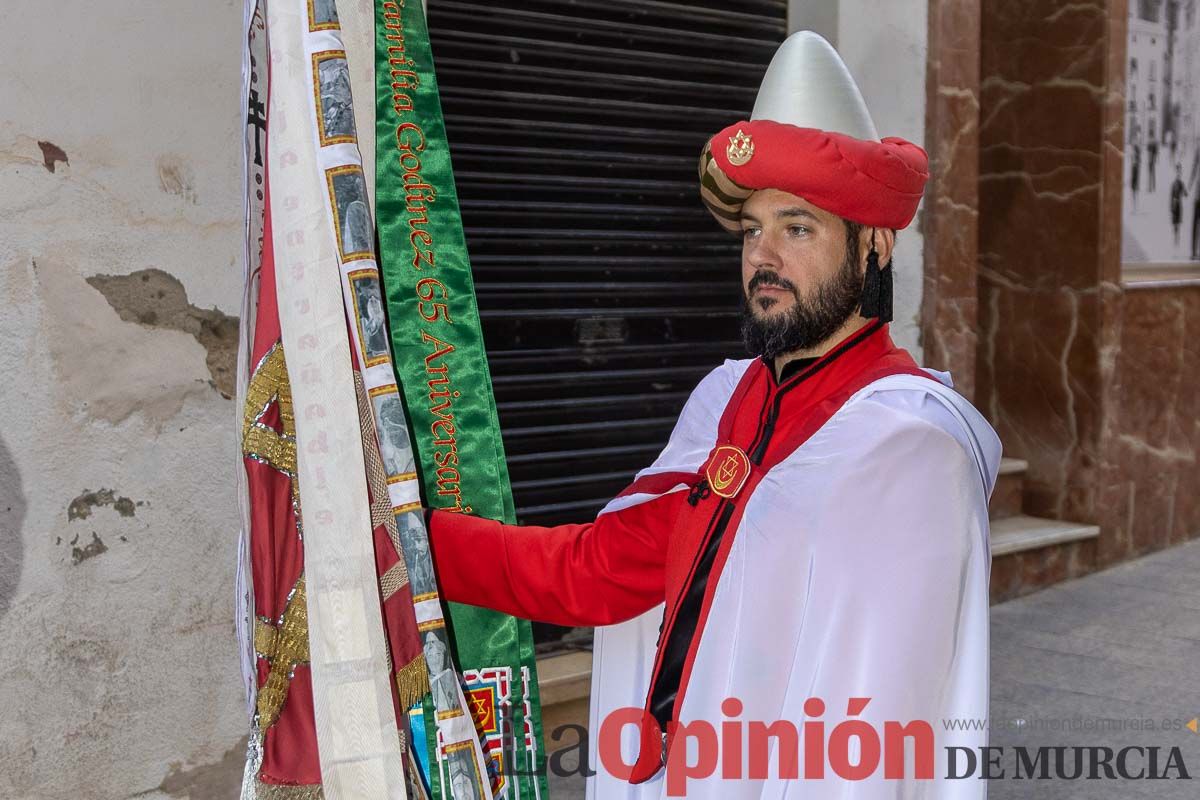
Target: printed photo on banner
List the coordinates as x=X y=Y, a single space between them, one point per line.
x=464 y=771
x=443 y=682
x=416 y=550
x=335 y=113
x=394 y=445
x=351 y=217
x=368 y=307
x=322 y=15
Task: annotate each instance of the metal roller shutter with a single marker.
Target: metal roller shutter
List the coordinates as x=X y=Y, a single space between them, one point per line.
x=605 y=289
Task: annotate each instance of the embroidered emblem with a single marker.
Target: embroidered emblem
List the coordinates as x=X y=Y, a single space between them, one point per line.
x=741 y=148
x=727 y=470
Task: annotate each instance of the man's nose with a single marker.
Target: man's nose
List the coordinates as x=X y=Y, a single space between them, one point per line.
x=762 y=255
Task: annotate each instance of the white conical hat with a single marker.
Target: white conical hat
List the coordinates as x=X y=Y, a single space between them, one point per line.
x=810 y=134
x=808 y=85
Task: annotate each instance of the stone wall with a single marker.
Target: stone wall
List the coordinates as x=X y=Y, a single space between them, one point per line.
x=120 y=234
x=1089 y=372
x=1042 y=83
x=950 y=223
x=1150 y=478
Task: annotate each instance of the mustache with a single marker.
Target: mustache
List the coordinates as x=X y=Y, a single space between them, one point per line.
x=765 y=277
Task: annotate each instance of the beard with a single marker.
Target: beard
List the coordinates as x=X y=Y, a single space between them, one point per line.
x=810 y=321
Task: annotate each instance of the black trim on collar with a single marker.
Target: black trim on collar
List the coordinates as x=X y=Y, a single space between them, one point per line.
x=795 y=367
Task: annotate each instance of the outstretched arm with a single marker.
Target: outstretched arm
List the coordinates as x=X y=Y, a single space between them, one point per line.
x=596 y=573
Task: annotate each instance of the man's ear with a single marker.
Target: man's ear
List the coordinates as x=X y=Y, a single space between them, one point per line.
x=885 y=242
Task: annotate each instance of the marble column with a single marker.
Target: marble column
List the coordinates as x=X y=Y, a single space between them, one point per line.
x=950 y=218
x=1043 y=86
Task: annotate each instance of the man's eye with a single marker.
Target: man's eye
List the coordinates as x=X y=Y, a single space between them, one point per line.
x=797 y=230
x=748 y=233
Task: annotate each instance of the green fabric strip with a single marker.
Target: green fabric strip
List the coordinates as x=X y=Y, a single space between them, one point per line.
x=437 y=342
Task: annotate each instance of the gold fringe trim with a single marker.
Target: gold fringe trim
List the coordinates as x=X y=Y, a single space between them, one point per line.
x=412 y=682
x=280 y=791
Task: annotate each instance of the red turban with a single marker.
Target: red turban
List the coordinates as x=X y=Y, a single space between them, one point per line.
x=875 y=183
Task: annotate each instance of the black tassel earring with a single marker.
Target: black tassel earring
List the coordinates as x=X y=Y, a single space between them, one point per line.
x=877 y=287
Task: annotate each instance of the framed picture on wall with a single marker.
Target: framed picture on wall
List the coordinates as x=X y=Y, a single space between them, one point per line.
x=1161 y=182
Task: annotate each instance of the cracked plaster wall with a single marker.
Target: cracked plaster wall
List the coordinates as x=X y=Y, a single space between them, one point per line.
x=120 y=235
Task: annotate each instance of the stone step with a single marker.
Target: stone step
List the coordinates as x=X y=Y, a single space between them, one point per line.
x=1019 y=533
x=1010 y=486
x=565 y=682
x=564 y=677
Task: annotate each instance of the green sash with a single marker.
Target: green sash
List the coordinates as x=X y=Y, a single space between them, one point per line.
x=437 y=345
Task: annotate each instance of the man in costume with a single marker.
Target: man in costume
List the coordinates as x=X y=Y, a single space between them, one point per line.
x=811 y=545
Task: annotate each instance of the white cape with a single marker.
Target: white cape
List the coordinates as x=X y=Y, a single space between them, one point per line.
x=860 y=568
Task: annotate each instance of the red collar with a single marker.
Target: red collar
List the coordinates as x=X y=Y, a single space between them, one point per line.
x=760 y=404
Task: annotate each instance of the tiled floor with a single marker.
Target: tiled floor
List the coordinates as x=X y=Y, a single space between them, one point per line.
x=1090 y=661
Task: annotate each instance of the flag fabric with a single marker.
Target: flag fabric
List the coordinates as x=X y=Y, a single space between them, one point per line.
x=332 y=630
x=339 y=618
x=437 y=345
x=349 y=208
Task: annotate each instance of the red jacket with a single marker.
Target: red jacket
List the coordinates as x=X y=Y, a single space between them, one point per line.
x=671 y=548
